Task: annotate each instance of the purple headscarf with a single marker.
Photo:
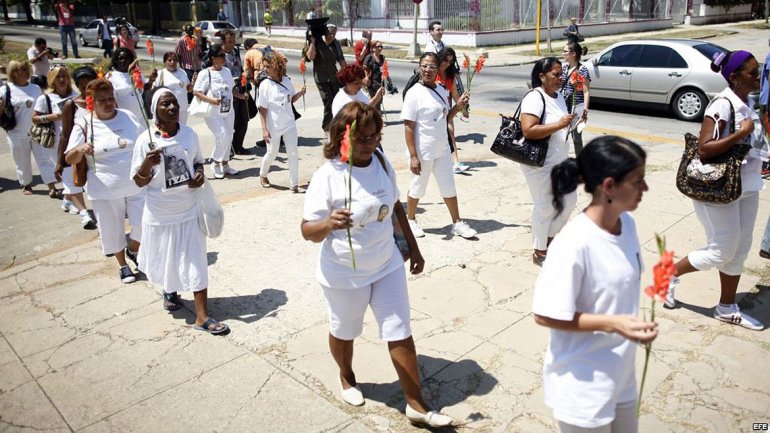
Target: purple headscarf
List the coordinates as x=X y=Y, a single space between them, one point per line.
x=730 y=63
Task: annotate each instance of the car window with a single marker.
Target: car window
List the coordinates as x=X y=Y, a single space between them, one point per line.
x=624 y=55
x=204 y=26
x=222 y=25
x=708 y=49
x=658 y=56
x=92 y=24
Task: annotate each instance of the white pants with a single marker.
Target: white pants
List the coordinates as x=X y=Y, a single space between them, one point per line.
x=389 y=300
x=625 y=422
x=545 y=223
x=111 y=215
x=441 y=168
x=69 y=183
x=729 y=230
x=290 y=140
x=222 y=128
x=22 y=149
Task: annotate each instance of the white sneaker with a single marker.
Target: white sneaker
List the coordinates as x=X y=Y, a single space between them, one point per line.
x=230 y=171
x=67 y=206
x=733 y=314
x=86 y=221
x=460 y=168
x=352 y=396
x=416 y=230
x=462 y=229
x=218 y=173
x=431 y=419
x=670 y=302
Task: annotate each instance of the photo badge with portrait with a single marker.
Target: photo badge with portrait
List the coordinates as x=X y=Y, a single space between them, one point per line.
x=177 y=173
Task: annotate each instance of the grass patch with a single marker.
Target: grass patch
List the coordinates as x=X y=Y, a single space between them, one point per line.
x=597 y=45
x=756 y=25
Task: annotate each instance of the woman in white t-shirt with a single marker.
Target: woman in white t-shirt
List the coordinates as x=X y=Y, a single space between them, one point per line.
x=276 y=96
x=379 y=279
x=588 y=292
x=544 y=114
x=22 y=102
x=175 y=79
x=425 y=113
x=729 y=121
x=173 y=252
x=123 y=62
x=214 y=85
x=351 y=79
x=105 y=138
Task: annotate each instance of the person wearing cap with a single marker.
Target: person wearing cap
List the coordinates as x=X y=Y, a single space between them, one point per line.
x=215 y=86
x=325 y=55
x=572 y=33
x=728 y=121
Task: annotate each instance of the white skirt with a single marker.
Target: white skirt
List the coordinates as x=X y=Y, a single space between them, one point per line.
x=174 y=256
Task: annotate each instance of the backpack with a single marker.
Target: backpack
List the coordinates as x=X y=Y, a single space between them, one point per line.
x=8 y=116
x=414 y=79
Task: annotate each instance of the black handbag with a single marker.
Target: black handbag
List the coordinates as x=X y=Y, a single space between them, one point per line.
x=8 y=116
x=510 y=142
x=293 y=108
x=251 y=102
x=716 y=180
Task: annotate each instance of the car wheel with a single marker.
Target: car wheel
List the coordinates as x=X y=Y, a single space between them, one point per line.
x=99 y=43
x=82 y=40
x=689 y=104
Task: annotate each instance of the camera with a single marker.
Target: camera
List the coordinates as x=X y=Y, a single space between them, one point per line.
x=120 y=21
x=391 y=89
x=53 y=52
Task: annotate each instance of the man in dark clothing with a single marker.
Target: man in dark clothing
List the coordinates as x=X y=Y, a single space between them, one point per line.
x=234 y=63
x=572 y=33
x=325 y=54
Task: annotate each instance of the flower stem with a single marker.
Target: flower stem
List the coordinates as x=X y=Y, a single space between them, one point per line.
x=647 y=351
x=349 y=205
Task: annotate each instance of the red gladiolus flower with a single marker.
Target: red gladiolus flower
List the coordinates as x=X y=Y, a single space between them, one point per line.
x=385 y=70
x=302 y=66
x=100 y=72
x=150 y=48
x=243 y=80
x=662 y=273
x=480 y=64
x=136 y=76
x=466 y=62
x=577 y=81
x=346 y=147
x=190 y=43
x=89 y=103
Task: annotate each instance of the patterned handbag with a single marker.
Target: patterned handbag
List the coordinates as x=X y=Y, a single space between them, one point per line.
x=510 y=142
x=716 y=180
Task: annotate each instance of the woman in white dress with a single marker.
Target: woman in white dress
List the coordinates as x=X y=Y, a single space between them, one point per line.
x=379 y=279
x=175 y=79
x=544 y=115
x=48 y=110
x=173 y=250
x=123 y=61
x=276 y=96
x=351 y=79
x=214 y=85
x=22 y=102
x=105 y=137
x=588 y=292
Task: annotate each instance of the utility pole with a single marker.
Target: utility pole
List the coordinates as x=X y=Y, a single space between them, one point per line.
x=548 y=23
x=414 y=47
x=537 y=29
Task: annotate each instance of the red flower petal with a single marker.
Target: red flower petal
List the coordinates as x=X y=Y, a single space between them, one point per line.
x=345 y=145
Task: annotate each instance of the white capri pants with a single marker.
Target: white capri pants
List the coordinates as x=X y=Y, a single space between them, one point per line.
x=729 y=229
x=441 y=168
x=111 y=215
x=389 y=300
x=222 y=128
x=290 y=140
x=68 y=182
x=545 y=223
x=22 y=149
x=625 y=422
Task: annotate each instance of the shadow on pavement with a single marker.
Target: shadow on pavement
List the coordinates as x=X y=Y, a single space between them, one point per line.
x=475 y=137
x=246 y=309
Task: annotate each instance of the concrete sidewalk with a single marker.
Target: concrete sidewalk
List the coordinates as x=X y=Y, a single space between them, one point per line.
x=82 y=352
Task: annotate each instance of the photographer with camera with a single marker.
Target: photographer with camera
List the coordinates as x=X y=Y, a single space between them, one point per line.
x=39 y=55
x=323 y=50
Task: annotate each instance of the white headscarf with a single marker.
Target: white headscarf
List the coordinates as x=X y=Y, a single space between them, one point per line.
x=155 y=98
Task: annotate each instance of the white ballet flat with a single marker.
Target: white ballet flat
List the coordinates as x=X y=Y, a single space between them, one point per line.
x=352 y=396
x=431 y=419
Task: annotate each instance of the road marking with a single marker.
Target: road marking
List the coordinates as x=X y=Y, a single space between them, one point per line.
x=602 y=131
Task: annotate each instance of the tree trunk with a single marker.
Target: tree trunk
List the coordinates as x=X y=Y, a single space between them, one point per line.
x=5 y=10
x=27 y=6
x=155 y=26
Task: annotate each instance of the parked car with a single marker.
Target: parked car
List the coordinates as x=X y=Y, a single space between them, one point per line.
x=674 y=72
x=90 y=33
x=212 y=31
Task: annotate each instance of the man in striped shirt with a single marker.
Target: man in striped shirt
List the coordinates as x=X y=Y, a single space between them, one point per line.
x=189 y=59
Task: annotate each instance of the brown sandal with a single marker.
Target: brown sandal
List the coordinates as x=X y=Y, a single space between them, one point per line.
x=27 y=190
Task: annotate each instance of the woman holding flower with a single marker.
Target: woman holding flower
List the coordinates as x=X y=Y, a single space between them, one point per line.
x=447 y=77
x=544 y=115
x=351 y=78
x=588 y=292
x=276 y=96
x=128 y=82
x=576 y=83
x=729 y=121
x=175 y=79
x=375 y=65
x=170 y=221
x=347 y=195
x=105 y=137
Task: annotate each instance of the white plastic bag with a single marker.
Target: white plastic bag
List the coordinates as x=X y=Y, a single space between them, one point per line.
x=211 y=218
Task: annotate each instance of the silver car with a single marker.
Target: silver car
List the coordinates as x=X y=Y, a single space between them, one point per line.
x=90 y=33
x=674 y=72
x=212 y=31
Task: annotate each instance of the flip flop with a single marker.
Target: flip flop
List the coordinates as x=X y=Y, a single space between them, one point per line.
x=171 y=301
x=209 y=326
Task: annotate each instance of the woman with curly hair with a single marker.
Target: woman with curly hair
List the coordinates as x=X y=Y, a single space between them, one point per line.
x=351 y=78
x=276 y=96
